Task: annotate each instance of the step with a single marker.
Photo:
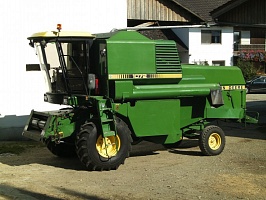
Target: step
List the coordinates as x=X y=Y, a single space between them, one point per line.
x=107 y=120
x=108 y=133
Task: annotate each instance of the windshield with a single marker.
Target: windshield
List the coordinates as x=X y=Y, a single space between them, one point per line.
x=64 y=64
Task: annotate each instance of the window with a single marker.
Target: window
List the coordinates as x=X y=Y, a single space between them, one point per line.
x=236 y=40
x=237 y=37
x=260 y=80
x=211 y=37
x=218 y=62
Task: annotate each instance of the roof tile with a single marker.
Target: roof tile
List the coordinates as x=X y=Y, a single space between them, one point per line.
x=202 y=7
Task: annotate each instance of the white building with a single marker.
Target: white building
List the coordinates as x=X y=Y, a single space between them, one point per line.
x=211 y=46
x=23 y=91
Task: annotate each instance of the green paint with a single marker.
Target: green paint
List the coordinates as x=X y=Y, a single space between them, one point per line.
x=142 y=82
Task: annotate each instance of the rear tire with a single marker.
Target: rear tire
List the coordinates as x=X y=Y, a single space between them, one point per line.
x=93 y=152
x=212 y=140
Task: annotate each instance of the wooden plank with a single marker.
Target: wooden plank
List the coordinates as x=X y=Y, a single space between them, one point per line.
x=160 y=10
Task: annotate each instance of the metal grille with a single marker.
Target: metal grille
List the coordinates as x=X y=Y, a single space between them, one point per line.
x=167 y=59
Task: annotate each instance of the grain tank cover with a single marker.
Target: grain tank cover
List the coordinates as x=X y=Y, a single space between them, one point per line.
x=131 y=55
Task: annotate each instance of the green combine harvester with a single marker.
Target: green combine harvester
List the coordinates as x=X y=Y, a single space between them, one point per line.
x=120 y=88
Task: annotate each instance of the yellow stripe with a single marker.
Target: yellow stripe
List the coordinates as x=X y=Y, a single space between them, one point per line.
x=233 y=87
x=143 y=76
x=168 y=75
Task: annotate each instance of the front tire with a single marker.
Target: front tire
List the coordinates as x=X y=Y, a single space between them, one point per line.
x=99 y=153
x=212 y=140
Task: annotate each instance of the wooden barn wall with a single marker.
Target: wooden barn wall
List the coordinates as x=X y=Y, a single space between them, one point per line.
x=159 y=10
x=250 y=12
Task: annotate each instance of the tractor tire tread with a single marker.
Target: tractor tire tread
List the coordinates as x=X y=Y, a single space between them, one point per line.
x=203 y=144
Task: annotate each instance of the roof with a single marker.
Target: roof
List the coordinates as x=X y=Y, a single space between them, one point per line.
x=226 y=7
x=54 y=34
x=201 y=8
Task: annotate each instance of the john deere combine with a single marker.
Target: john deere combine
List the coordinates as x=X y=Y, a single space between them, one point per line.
x=120 y=88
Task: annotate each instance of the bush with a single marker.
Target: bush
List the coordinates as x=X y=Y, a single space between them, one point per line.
x=248 y=69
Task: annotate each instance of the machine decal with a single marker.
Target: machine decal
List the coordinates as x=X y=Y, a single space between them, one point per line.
x=233 y=87
x=143 y=76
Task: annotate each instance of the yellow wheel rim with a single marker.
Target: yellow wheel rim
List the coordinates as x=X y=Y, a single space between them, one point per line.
x=109 y=146
x=215 y=141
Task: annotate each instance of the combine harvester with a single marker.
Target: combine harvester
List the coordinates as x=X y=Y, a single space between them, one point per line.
x=120 y=88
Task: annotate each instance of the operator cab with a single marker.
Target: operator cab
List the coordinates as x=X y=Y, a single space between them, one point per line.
x=64 y=61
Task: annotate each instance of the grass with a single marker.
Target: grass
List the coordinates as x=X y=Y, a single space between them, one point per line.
x=17 y=147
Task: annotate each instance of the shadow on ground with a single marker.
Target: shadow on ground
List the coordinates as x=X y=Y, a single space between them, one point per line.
x=41 y=155
x=241 y=130
x=10 y=192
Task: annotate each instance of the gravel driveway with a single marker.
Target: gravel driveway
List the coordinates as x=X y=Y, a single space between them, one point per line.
x=151 y=172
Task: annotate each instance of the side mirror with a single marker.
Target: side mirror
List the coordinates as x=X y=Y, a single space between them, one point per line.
x=91 y=81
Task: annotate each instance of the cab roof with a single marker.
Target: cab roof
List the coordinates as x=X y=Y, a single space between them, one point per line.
x=62 y=34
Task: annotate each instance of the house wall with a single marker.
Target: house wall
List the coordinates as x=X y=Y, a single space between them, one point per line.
x=211 y=52
x=183 y=34
x=22 y=91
